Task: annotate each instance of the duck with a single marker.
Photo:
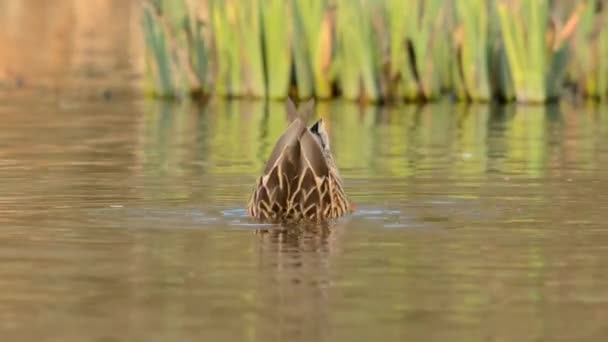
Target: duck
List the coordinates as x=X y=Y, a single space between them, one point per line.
x=300 y=181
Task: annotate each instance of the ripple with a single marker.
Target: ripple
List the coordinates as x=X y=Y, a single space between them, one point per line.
x=236 y=212
x=375 y=212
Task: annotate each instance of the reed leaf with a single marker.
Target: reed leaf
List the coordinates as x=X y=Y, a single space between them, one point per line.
x=250 y=37
x=313 y=46
x=501 y=81
x=238 y=38
x=358 y=66
x=589 y=69
x=536 y=49
x=157 y=61
x=471 y=40
x=227 y=48
x=602 y=59
x=402 y=79
x=424 y=36
x=199 y=56
x=167 y=31
x=276 y=16
x=478 y=49
x=304 y=13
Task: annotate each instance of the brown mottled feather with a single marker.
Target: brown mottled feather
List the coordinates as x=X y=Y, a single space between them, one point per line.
x=312 y=155
x=300 y=180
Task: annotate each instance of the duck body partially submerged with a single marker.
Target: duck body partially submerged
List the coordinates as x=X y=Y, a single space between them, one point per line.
x=300 y=180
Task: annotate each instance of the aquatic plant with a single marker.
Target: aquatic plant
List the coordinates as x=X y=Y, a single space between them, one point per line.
x=276 y=16
x=418 y=57
x=237 y=33
x=402 y=78
x=427 y=50
x=368 y=50
x=176 y=58
x=252 y=48
x=536 y=49
x=471 y=79
x=313 y=45
x=589 y=68
x=501 y=82
x=357 y=55
x=250 y=39
x=157 y=58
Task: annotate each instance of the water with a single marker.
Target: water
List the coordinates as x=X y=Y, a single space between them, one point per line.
x=123 y=220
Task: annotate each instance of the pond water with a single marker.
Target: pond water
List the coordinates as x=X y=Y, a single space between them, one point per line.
x=123 y=220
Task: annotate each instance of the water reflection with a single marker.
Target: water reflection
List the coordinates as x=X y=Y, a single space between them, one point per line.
x=473 y=222
x=409 y=142
x=298 y=261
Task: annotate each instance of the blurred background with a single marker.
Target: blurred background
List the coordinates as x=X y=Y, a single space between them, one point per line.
x=71 y=47
x=378 y=51
x=370 y=51
x=132 y=132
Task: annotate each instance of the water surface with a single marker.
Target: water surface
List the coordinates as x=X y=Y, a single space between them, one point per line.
x=123 y=220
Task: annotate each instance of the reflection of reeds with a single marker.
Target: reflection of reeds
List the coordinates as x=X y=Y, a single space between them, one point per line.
x=377 y=50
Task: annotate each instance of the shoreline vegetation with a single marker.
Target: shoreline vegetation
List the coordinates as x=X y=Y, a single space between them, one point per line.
x=527 y=51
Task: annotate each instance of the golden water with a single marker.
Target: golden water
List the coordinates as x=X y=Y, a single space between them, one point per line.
x=124 y=221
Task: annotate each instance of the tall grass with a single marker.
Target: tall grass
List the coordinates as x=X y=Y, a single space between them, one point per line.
x=419 y=62
x=313 y=47
x=277 y=38
x=177 y=53
x=237 y=29
x=377 y=50
x=471 y=79
x=536 y=49
x=589 y=70
x=358 y=55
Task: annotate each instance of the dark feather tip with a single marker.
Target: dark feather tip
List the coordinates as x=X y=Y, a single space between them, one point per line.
x=315 y=128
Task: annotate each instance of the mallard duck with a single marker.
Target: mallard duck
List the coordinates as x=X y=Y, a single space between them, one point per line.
x=300 y=180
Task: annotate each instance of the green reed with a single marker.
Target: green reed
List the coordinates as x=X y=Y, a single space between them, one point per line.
x=418 y=51
x=249 y=37
x=402 y=80
x=426 y=37
x=501 y=81
x=523 y=29
x=357 y=50
x=227 y=48
x=158 y=65
x=177 y=53
x=589 y=70
x=237 y=29
x=537 y=50
x=277 y=36
x=472 y=51
x=477 y=50
x=302 y=57
x=312 y=47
